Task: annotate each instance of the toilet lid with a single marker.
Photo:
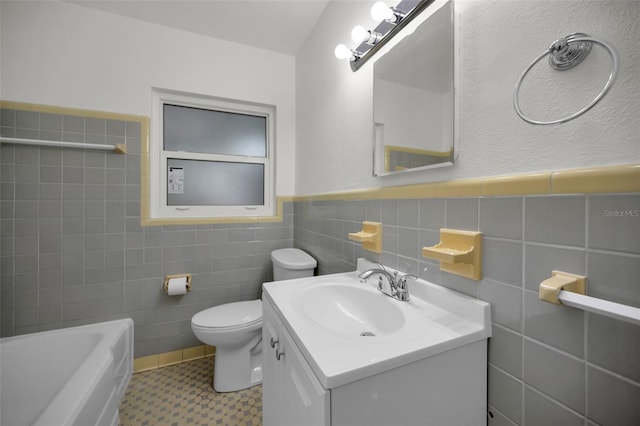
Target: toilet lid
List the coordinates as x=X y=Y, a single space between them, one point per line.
x=230 y=315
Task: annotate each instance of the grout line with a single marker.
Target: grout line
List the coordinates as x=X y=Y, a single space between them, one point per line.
x=554 y=349
x=613 y=373
x=613 y=252
x=522 y=301
x=505 y=372
x=556 y=402
x=585 y=324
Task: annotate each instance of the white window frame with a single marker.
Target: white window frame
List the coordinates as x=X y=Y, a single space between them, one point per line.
x=158 y=208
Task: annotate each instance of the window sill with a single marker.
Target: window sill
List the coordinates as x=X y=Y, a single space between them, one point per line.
x=145 y=220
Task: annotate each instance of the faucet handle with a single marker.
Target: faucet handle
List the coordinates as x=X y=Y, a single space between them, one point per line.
x=402 y=290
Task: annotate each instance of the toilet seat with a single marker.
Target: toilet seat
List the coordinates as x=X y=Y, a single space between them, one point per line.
x=230 y=316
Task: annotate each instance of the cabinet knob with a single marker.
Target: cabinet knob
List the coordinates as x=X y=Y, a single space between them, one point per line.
x=273 y=342
x=279 y=354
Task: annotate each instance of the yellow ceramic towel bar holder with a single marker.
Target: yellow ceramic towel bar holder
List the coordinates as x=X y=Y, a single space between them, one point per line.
x=550 y=288
x=370 y=236
x=459 y=252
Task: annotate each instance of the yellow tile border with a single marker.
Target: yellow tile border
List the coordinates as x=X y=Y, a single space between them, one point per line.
x=423 y=190
x=597 y=179
x=24 y=106
x=459 y=188
x=364 y=194
x=151 y=362
x=528 y=184
x=609 y=179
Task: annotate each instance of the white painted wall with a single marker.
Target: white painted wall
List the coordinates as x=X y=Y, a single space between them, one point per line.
x=62 y=54
x=497 y=40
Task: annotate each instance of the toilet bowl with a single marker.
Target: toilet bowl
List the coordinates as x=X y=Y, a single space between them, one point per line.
x=235 y=329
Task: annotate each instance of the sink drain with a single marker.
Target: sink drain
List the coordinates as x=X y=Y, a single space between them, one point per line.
x=367 y=333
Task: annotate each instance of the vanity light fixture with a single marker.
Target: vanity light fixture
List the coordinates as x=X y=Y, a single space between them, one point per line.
x=392 y=20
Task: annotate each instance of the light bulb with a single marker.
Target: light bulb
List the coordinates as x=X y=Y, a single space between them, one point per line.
x=359 y=34
x=381 y=12
x=343 y=52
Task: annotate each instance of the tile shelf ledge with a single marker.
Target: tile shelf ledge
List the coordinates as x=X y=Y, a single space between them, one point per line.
x=622 y=178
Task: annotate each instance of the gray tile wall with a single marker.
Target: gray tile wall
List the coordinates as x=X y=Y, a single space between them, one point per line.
x=548 y=365
x=73 y=252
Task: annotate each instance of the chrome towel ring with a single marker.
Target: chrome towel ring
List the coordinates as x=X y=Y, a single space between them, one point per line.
x=564 y=54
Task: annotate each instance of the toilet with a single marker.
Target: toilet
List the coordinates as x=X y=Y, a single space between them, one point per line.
x=235 y=329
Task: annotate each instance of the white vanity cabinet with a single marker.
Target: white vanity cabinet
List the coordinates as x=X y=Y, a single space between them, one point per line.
x=446 y=389
x=291 y=394
x=407 y=363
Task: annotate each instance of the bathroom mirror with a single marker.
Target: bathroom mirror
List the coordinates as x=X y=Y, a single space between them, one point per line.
x=413 y=99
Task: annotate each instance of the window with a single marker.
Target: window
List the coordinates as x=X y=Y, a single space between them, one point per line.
x=210 y=157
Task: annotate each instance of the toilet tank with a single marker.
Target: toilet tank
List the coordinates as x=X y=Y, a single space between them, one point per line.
x=290 y=263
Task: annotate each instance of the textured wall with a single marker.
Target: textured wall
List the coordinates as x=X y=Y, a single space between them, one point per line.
x=548 y=365
x=497 y=40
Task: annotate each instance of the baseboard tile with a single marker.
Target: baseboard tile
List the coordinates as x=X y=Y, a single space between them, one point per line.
x=151 y=362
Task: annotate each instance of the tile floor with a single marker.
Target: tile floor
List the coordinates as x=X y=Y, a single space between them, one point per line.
x=181 y=394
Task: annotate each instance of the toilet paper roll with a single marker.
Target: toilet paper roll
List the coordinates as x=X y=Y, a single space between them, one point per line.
x=177 y=286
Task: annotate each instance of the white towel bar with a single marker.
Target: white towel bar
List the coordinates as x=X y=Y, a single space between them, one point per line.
x=568 y=289
x=599 y=306
x=119 y=148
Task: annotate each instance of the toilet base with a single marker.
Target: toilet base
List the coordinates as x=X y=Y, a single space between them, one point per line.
x=235 y=370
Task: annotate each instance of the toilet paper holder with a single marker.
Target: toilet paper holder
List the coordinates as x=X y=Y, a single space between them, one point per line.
x=170 y=277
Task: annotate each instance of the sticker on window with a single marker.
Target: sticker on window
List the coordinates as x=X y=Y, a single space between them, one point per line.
x=175 y=179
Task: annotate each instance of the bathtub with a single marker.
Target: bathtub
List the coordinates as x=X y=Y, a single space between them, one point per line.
x=70 y=376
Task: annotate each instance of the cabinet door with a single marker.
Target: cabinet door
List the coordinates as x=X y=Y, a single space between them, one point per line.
x=271 y=369
x=305 y=401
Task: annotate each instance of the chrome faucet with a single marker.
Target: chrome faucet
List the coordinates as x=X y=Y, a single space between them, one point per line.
x=398 y=285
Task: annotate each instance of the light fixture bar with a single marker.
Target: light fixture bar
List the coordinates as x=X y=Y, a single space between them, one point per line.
x=359 y=61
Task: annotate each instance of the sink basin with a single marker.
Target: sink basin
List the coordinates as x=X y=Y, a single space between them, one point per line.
x=351 y=310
